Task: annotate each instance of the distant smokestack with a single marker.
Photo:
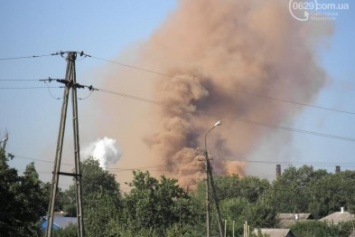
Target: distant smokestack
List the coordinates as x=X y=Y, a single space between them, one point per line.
x=278 y=170
x=337 y=169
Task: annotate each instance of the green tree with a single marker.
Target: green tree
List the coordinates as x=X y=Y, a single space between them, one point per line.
x=318 y=228
x=102 y=215
x=21 y=200
x=235 y=209
x=292 y=192
x=241 y=199
x=61 y=196
x=240 y=210
x=156 y=204
x=331 y=192
x=261 y=215
x=102 y=202
x=314 y=191
x=250 y=187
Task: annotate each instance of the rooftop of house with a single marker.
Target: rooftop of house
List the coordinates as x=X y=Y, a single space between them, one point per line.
x=294 y=216
x=340 y=216
x=58 y=222
x=289 y=219
x=275 y=232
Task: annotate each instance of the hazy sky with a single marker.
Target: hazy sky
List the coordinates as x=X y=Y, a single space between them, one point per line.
x=108 y=30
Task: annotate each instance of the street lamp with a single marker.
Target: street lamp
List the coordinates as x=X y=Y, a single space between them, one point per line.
x=218 y=123
x=208 y=169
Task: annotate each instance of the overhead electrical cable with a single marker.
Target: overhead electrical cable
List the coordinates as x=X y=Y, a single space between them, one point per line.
x=19 y=80
x=81 y=53
x=27 y=57
x=160 y=103
x=238 y=91
x=290 y=129
x=292 y=102
x=46 y=80
x=91 y=88
x=29 y=88
x=61 y=53
x=37 y=159
x=131 y=97
x=162 y=167
x=130 y=66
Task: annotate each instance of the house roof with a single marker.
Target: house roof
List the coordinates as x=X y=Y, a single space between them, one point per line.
x=275 y=232
x=337 y=217
x=58 y=222
x=289 y=219
x=63 y=222
x=293 y=216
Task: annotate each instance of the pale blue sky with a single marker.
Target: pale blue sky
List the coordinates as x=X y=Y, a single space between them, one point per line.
x=101 y=28
x=336 y=57
x=105 y=29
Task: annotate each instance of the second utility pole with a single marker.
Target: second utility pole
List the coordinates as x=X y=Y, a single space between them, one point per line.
x=209 y=180
x=70 y=84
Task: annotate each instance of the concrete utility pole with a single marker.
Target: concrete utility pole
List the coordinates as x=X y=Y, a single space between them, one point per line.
x=219 y=219
x=210 y=181
x=207 y=196
x=70 y=84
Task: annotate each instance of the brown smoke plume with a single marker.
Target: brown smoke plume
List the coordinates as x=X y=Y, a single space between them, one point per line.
x=214 y=52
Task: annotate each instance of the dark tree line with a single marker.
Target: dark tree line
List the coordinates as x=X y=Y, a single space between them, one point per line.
x=22 y=200
x=160 y=207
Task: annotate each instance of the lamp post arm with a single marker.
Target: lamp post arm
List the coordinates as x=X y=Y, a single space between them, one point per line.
x=206 y=140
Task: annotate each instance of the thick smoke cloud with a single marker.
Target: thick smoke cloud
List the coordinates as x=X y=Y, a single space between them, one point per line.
x=215 y=54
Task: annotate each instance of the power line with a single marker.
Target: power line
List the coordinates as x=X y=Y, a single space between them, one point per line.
x=18 y=80
x=275 y=162
x=290 y=129
x=293 y=102
x=166 y=75
x=131 y=97
x=61 y=53
x=133 y=67
x=37 y=159
x=86 y=97
x=91 y=88
x=48 y=79
x=29 y=88
x=27 y=57
x=50 y=92
x=161 y=167
x=238 y=91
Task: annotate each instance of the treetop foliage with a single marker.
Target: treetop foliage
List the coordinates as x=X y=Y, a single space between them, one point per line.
x=160 y=207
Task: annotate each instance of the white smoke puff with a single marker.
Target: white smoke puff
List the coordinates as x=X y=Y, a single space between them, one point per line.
x=104 y=150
